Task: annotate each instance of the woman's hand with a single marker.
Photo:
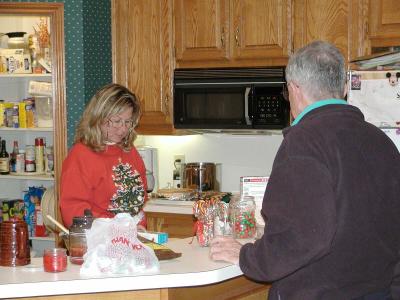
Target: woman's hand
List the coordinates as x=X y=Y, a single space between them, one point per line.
x=225 y=248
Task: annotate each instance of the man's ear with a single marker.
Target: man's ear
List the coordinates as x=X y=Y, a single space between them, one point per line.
x=346 y=85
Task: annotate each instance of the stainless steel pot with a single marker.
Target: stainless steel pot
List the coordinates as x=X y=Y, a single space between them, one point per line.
x=199 y=176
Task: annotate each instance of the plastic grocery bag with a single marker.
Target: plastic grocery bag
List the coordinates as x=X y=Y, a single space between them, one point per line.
x=113 y=248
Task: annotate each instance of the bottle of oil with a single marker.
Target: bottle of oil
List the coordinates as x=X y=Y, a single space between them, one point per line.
x=4 y=159
x=13 y=157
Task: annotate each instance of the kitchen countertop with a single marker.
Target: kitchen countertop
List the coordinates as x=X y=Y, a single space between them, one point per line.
x=169 y=206
x=193 y=268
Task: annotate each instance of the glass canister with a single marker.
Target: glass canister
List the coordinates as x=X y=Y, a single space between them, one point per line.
x=222 y=225
x=205 y=228
x=242 y=215
x=77 y=238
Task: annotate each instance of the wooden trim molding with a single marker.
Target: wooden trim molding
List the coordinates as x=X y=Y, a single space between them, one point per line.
x=56 y=13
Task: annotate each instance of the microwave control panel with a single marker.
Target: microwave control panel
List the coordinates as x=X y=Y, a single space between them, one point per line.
x=269 y=110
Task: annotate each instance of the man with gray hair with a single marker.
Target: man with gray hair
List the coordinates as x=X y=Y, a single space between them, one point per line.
x=332 y=206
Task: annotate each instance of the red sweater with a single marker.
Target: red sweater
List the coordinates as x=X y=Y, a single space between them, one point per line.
x=89 y=180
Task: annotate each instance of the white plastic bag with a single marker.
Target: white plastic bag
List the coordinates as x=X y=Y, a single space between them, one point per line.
x=113 y=248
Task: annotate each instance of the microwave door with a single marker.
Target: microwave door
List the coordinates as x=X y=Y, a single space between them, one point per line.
x=247 y=113
x=215 y=106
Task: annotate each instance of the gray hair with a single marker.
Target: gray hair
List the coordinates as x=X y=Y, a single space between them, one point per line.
x=319 y=69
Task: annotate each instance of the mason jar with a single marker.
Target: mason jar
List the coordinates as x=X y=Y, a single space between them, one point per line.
x=242 y=217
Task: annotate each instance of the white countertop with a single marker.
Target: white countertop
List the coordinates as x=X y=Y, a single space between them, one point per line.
x=169 y=206
x=193 y=268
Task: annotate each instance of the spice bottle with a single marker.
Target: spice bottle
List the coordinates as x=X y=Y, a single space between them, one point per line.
x=243 y=218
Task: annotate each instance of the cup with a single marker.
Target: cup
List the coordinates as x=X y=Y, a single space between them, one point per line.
x=55 y=260
x=14 y=243
x=44 y=111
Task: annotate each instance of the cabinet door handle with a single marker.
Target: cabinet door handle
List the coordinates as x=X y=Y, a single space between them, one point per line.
x=166 y=105
x=223 y=37
x=237 y=37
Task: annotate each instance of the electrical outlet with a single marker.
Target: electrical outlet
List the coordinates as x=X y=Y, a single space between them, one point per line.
x=180 y=157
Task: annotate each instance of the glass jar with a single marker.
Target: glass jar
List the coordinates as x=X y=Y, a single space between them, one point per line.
x=242 y=216
x=55 y=260
x=205 y=228
x=77 y=238
x=222 y=225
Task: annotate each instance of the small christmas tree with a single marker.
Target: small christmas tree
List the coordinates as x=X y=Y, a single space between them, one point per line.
x=130 y=190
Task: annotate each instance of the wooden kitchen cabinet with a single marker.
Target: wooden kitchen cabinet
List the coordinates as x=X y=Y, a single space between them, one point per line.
x=322 y=20
x=142 y=58
x=231 y=33
x=356 y=27
x=383 y=25
x=176 y=225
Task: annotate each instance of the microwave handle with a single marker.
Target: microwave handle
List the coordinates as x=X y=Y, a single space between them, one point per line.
x=247 y=112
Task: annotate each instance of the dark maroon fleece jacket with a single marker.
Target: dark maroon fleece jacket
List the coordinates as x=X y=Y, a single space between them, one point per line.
x=332 y=210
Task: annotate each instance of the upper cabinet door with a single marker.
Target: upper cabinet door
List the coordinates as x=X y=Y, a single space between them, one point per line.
x=326 y=20
x=232 y=33
x=142 y=58
x=384 y=23
x=201 y=30
x=260 y=29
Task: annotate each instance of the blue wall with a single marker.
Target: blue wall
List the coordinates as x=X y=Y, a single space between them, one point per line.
x=87 y=53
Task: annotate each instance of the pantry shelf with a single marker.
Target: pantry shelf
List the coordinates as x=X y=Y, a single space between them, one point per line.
x=36 y=129
x=43 y=177
x=25 y=75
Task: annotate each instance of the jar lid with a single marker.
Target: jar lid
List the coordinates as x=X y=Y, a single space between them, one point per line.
x=83 y=222
x=15 y=34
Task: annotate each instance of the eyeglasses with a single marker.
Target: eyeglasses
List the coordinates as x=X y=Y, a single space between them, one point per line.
x=118 y=123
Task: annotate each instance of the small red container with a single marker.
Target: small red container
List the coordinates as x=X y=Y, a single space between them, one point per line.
x=55 y=260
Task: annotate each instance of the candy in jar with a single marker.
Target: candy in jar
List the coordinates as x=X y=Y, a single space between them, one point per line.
x=243 y=217
x=204 y=212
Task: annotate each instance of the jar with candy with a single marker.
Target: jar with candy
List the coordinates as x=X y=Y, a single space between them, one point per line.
x=204 y=212
x=222 y=225
x=77 y=238
x=243 y=218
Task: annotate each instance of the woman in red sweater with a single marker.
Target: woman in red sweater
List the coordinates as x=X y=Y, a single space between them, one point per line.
x=103 y=171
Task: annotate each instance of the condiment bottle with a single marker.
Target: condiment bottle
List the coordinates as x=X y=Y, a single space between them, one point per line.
x=30 y=158
x=39 y=154
x=13 y=158
x=55 y=260
x=20 y=161
x=243 y=218
x=77 y=238
x=4 y=159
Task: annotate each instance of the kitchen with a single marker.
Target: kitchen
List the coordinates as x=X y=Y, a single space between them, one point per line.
x=231 y=151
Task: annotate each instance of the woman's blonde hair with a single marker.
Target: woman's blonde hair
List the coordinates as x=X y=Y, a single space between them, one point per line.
x=110 y=100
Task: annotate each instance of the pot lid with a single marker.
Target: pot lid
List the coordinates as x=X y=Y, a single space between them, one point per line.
x=15 y=34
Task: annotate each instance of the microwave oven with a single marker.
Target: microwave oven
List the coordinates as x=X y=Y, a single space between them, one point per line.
x=233 y=99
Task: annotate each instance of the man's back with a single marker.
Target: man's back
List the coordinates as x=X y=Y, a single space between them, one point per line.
x=361 y=177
